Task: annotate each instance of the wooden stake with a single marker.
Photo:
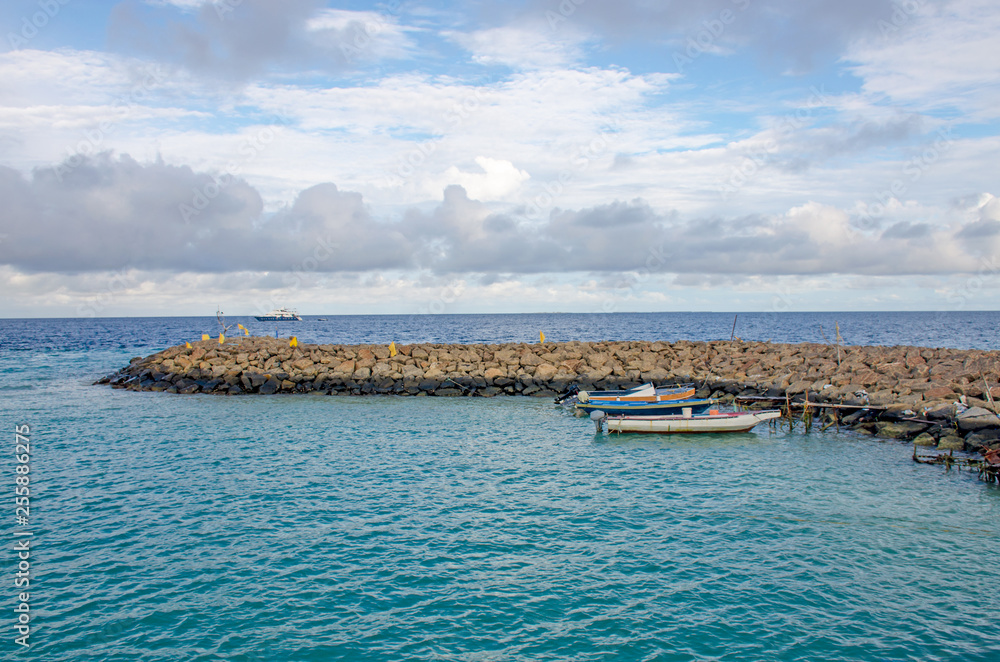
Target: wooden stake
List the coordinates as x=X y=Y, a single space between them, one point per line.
x=989 y=396
x=836 y=326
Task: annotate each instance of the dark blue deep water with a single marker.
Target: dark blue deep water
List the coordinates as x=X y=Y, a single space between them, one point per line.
x=385 y=528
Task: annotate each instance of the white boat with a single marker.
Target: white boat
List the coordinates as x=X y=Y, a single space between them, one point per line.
x=279 y=315
x=669 y=424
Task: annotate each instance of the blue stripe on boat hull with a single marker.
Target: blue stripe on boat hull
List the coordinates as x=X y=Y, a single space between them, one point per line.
x=647 y=408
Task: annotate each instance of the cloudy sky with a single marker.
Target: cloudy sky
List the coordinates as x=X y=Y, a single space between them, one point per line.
x=165 y=157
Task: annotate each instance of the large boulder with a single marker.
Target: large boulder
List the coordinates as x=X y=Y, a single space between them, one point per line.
x=977 y=418
x=951 y=442
x=545 y=372
x=940 y=412
x=900 y=429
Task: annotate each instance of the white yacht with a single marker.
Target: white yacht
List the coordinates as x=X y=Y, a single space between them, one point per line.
x=279 y=315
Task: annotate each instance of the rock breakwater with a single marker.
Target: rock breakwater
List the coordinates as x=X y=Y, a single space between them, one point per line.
x=942 y=397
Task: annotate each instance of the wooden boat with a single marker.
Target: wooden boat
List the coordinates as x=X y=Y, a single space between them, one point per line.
x=644 y=393
x=711 y=422
x=632 y=408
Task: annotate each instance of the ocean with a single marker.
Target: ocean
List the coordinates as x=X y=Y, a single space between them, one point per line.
x=167 y=527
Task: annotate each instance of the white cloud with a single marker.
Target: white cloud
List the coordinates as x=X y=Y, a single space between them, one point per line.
x=941 y=57
x=498 y=179
x=360 y=34
x=524 y=47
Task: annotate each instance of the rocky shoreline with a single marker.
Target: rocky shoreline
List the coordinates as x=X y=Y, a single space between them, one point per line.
x=943 y=398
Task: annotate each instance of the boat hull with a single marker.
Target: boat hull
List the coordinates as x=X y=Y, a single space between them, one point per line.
x=646 y=408
x=660 y=395
x=708 y=423
x=279 y=315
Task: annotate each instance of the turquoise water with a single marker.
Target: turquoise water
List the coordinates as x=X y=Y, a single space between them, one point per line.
x=385 y=528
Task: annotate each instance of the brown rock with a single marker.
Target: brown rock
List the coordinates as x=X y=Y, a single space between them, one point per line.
x=530 y=359
x=493 y=373
x=939 y=393
x=545 y=372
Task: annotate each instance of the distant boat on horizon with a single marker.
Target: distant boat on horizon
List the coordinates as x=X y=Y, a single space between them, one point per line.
x=279 y=315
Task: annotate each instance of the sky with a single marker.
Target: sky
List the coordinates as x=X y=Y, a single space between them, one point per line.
x=174 y=157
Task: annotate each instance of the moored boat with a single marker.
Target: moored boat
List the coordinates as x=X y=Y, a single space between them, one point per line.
x=711 y=422
x=630 y=408
x=645 y=393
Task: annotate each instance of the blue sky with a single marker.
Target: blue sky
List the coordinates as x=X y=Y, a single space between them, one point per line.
x=169 y=156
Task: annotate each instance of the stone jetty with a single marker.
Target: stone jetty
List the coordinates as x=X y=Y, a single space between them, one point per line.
x=934 y=397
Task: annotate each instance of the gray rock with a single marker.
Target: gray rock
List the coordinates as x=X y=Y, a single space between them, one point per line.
x=270 y=386
x=951 y=442
x=940 y=413
x=856 y=417
x=900 y=430
x=974 y=440
x=977 y=418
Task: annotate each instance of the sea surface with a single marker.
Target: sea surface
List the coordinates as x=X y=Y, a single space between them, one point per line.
x=312 y=527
